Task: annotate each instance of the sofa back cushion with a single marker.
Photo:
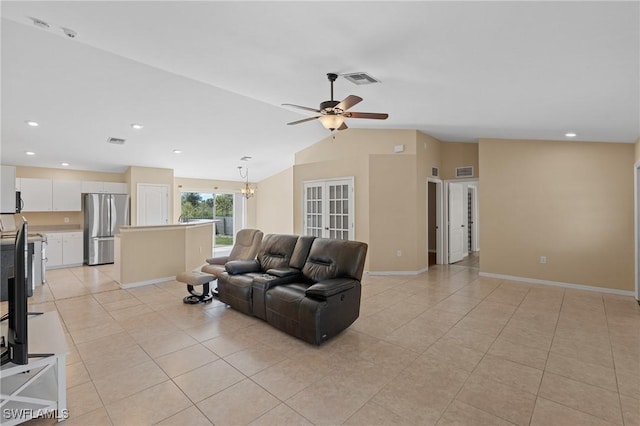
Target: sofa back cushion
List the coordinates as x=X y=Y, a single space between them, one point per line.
x=276 y=250
x=301 y=251
x=330 y=258
x=246 y=245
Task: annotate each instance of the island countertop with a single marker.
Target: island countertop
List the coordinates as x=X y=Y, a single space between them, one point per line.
x=153 y=254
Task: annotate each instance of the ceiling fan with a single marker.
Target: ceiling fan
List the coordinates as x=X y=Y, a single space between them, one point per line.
x=333 y=113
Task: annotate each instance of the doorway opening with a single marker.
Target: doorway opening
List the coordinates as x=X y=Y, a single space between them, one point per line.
x=462 y=244
x=435 y=240
x=226 y=209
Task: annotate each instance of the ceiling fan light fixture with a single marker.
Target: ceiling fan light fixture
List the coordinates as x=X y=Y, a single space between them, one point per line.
x=331 y=121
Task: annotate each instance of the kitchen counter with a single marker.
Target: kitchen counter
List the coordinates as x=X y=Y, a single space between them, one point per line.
x=153 y=254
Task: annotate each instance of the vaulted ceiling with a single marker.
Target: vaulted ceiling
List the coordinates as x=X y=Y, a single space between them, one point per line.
x=209 y=77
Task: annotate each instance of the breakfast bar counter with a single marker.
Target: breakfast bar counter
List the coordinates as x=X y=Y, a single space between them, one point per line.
x=153 y=254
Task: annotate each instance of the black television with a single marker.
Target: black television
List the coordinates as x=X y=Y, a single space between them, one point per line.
x=17 y=351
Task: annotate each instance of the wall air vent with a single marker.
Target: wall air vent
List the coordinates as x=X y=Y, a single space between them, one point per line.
x=116 y=141
x=360 y=78
x=434 y=171
x=463 y=172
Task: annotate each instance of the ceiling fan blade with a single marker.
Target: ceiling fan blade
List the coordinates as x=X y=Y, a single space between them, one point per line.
x=303 y=120
x=343 y=126
x=302 y=107
x=373 y=115
x=348 y=102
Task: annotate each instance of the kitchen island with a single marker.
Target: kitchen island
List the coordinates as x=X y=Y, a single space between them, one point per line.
x=153 y=254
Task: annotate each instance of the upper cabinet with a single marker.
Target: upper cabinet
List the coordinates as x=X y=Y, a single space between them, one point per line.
x=93 y=187
x=67 y=195
x=46 y=195
x=37 y=195
x=7 y=189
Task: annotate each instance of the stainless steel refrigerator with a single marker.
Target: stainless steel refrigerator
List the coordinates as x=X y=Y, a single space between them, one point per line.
x=103 y=216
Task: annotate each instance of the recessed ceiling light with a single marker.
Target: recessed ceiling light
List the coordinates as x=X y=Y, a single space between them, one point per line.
x=64 y=164
x=177 y=151
x=30 y=153
x=571 y=135
x=137 y=126
x=32 y=123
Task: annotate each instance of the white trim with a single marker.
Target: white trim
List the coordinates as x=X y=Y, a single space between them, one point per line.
x=396 y=272
x=636 y=192
x=147 y=282
x=558 y=284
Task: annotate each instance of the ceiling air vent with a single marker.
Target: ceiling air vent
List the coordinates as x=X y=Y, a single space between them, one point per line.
x=466 y=171
x=116 y=141
x=360 y=78
x=39 y=23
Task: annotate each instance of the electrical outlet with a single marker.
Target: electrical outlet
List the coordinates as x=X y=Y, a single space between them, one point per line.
x=399 y=253
x=66 y=220
x=543 y=259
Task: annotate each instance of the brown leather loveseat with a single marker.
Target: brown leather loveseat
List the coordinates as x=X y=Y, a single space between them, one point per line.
x=305 y=286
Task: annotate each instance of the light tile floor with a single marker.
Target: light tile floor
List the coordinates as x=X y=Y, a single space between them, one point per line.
x=445 y=347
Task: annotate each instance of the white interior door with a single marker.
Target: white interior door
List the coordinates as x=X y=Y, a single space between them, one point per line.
x=329 y=209
x=153 y=204
x=457 y=236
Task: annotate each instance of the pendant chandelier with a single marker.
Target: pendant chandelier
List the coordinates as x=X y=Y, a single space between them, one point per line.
x=247 y=191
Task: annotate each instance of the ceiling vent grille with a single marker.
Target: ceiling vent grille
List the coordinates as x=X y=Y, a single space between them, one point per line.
x=116 y=141
x=466 y=171
x=39 y=23
x=360 y=78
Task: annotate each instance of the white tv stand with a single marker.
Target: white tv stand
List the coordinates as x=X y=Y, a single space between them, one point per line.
x=38 y=388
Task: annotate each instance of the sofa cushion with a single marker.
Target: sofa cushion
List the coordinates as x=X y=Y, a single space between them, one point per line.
x=236 y=267
x=329 y=288
x=276 y=250
x=334 y=259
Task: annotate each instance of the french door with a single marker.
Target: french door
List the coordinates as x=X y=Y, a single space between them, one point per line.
x=329 y=208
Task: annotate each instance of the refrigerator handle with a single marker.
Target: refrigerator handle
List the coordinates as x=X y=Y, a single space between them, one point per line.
x=112 y=214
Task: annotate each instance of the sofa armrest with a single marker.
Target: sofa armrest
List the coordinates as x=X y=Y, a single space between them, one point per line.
x=283 y=272
x=236 y=267
x=328 y=288
x=221 y=260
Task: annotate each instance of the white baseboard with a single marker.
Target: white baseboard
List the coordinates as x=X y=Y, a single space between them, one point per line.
x=397 y=272
x=147 y=282
x=558 y=284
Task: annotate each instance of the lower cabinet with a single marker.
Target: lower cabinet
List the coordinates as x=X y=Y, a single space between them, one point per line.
x=64 y=249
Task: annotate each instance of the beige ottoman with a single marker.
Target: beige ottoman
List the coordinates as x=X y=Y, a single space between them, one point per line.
x=193 y=279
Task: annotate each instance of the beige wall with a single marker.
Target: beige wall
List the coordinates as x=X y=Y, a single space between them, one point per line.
x=274 y=200
x=388 y=185
x=458 y=154
x=638 y=149
x=209 y=186
x=569 y=201
x=136 y=175
x=58 y=218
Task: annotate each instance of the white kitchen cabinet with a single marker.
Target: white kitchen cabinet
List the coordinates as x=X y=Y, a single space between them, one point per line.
x=7 y=189
x=37 y=194
x=115 y=188
x=54 y=250
x=72 y=248
x=92 y=187
x=95 y=187
x=64 y=249
x=67 y=195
